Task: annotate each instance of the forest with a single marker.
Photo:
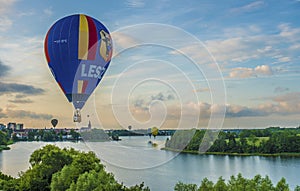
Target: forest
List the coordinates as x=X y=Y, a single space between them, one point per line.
x=269 y=141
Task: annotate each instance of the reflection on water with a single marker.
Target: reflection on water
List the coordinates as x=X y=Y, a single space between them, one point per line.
x=133 y=160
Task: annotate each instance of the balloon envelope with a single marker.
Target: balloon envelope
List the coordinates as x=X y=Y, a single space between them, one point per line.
x=54 y=122
x=78 y=49
x=154 y=131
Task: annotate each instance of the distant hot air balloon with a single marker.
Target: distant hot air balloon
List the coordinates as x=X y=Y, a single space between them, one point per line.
x=54 y=122
x=154 y=131
x=78 y=49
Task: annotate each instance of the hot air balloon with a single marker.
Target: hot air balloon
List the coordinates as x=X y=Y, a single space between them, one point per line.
x=154 y=131
x=54 y=122
x=78 y=49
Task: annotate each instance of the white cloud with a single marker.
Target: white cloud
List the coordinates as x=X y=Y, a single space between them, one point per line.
x=27 y=62
x=48 y=11
x=284 y=59
x=135 y=3
x=240 y=72
x=265 y=49
x=248 y=8
x=5 y=21
x=263 y=70
x=288 y=32
x=121 y=40
x=5 y=5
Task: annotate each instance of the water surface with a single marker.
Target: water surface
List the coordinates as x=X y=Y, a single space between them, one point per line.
x=133 y=160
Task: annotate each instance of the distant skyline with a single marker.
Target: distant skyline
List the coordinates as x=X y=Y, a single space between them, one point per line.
x=255 y=45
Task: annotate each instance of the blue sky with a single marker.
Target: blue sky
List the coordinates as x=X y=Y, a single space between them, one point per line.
x=248 y=63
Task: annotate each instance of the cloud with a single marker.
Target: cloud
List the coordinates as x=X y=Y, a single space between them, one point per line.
x=27 y=114
x=140 y=103
x=19 y=88
x=240 y=72
x=4 y=69
x=5 y=22
x=161 y=97
x=144 y=103
x=201 y=90
x=285 y=104
x=280 y=89
x=2 y=115
x=243 y=111
x=288 y=32
x=263 y=70
x=5 y=5
x=284 y=59
x=248 y=8
x=48 y=11
x=21 y=98
x=135 y=3
x=121 y=40
x=22 y=101
x=232 y=111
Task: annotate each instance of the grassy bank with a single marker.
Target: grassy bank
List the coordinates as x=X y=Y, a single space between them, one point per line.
x=235 y=154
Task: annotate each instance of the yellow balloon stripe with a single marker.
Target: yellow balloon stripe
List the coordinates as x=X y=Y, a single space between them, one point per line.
x=83 y=41
x=79 y=87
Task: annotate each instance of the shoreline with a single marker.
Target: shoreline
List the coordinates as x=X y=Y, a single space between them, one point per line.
x=234 y=154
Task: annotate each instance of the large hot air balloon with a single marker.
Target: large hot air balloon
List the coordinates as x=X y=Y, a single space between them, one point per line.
x=78 y=49
x=54 y=122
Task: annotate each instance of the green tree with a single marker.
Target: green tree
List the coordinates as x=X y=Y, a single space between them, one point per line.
x=206 y=185
x=297 y=188
x=93 y=180
x=266 y=184
x=220 y=185
x=185 y=187
x=3 y=138
x=282 y=185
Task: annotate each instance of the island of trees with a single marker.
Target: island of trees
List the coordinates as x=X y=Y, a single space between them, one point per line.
x=272 y=141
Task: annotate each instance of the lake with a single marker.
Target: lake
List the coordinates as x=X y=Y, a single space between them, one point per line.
x=134 y=160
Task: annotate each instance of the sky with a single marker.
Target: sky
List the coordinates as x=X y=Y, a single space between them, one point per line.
x=193 y=64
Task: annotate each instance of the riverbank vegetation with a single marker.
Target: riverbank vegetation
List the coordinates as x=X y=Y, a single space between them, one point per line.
x=4 y=141
x=273 y=141
x=58 y=169
x=237 y=183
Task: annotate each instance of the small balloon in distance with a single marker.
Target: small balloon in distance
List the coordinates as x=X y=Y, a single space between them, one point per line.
x=54 y=122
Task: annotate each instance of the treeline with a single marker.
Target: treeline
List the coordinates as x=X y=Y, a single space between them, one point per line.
x=237 y=183
x=5 y=140
x=263 y=141
x=47 y=135
x=58 y=169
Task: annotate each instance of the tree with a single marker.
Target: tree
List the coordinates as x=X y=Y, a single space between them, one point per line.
x=297 y=187
x=185 y=187
x=206 y=185
x=220 y=185
x=282 y=185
